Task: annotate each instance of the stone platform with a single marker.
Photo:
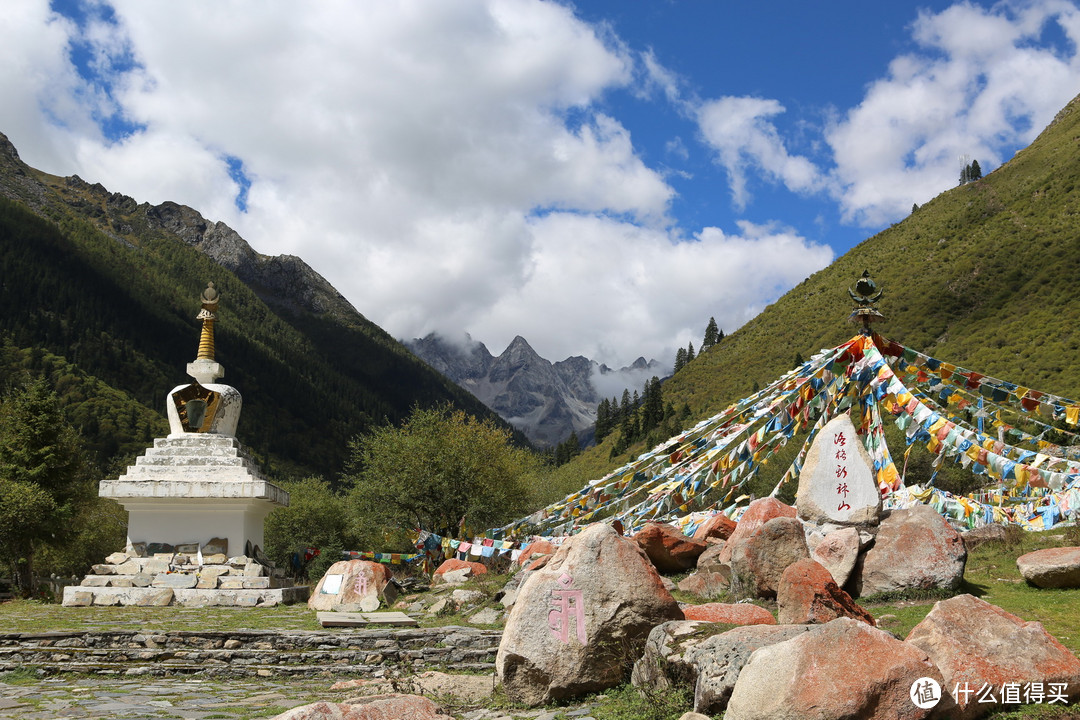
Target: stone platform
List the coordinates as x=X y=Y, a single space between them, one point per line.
x=191 y=580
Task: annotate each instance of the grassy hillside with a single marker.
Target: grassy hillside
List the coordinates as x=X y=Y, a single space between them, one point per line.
x=98 y=298
x=983 y=276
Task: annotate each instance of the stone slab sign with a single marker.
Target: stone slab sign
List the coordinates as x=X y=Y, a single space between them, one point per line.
x=837 y=483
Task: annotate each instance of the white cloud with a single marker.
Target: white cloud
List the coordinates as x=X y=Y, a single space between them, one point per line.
x=623 y=287
x=459 y=165
x=738 y=130
x=978 y=87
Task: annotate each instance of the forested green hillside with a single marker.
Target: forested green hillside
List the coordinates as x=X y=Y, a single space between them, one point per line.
x=105 y=303
x=983 y=276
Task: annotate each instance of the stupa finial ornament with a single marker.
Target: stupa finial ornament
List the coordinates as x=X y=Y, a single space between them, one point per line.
x=866 y=295
x=209 y=299
x=206 y=369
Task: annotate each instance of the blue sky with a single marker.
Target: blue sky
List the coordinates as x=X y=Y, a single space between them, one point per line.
x=600 y=178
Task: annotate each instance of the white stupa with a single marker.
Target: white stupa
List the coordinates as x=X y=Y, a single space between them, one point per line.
x=197 y=484
x=196 y=504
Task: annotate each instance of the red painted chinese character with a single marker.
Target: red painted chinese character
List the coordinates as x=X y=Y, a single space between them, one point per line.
x=841 y=471
x=839 y=439
x=566 y=605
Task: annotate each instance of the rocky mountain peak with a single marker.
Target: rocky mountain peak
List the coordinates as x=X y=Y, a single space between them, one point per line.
x=545 y=401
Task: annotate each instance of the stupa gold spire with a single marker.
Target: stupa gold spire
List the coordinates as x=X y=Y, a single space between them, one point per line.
x=209 y=298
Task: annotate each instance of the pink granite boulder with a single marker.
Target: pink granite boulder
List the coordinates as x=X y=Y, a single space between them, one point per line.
x=579 y=623
x=353 y=586
x=975 y=643
x=719 y=526
x=843 y=669
x=758 y=561
x=757 y=514
x=808 y=595
x=1052 y=567
x=915 y=548
x=667 y=548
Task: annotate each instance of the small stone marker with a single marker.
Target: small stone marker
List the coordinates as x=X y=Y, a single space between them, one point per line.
x=837 y=482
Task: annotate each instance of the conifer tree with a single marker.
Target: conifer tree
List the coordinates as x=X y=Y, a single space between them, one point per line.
x=711 y=333
x=680 y=360
x=690 y=352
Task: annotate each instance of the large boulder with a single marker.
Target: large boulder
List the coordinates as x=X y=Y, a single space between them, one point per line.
x=353 y=586
x=756 y=514
x=729 y=613
x=838 y=552
x=535 y=550
x=718 y=660
x=1052 y=567
x=915 y=548
x=808 y=594
x=709 y=561
x=844 y=669
x=455 y=572
x=668 y=549
x=758 y=561
x=975 y=643
x=719 y=526
x=579 y=623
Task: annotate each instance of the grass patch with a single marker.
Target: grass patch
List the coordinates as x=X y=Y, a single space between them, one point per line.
x=20 y=676
x=628 y=703
x=30 y=616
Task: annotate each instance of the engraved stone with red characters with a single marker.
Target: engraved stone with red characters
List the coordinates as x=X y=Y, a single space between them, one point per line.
x=579 y=622
x=353 y=586
x=837 y=483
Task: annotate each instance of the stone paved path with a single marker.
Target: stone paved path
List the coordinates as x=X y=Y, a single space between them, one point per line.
x=93 y=697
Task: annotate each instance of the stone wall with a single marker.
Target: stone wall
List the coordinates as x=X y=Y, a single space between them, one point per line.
x=370 y=653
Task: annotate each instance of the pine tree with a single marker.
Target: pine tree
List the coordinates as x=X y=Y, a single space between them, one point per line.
x=689 y=352
x=680 y=360
x=603 y=420
x=975 y=172
x=711 y=335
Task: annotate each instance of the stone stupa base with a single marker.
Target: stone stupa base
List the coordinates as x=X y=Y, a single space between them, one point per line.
x=172 y=578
